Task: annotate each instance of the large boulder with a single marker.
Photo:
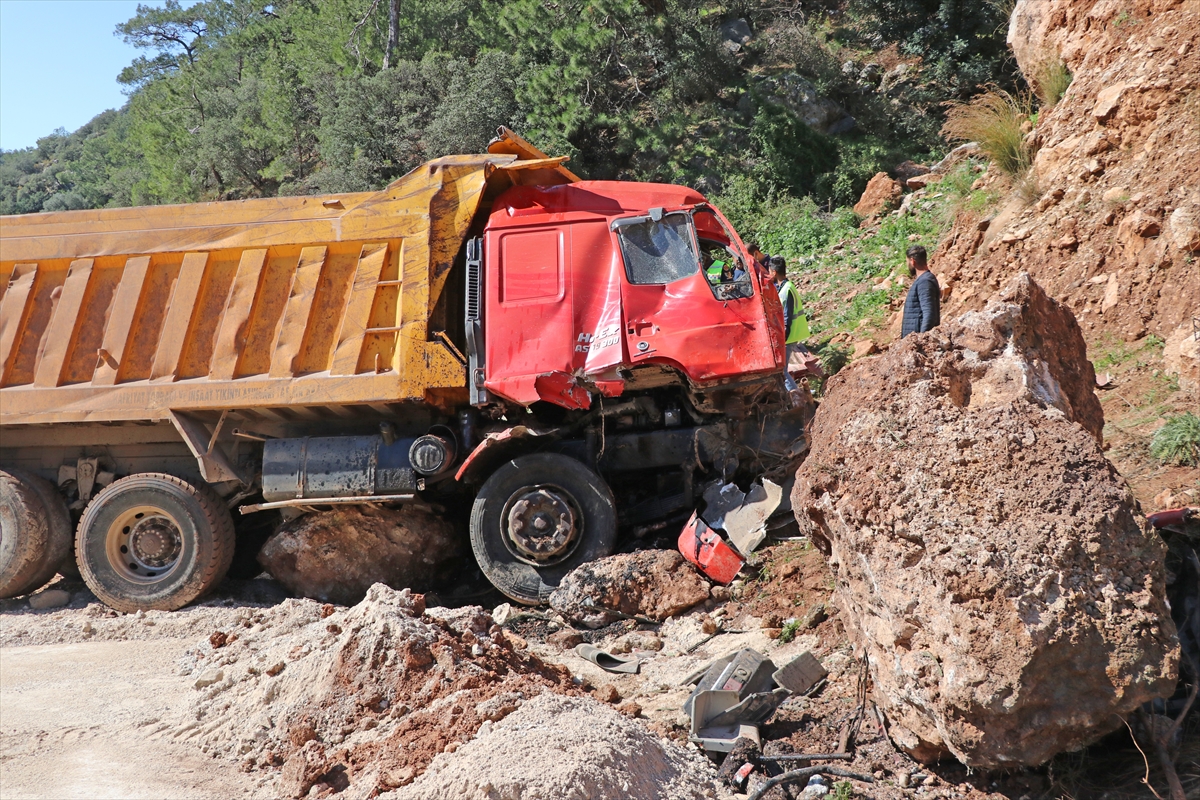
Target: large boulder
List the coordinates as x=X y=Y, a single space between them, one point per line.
x=335 y=556
x=991 y=564
x=650 y=583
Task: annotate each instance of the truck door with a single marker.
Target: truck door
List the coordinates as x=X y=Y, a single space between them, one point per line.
x=690 y=299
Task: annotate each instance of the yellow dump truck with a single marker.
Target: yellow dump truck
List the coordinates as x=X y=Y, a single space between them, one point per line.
x=487 y=332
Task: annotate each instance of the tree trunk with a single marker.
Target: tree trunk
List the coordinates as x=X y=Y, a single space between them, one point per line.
x=393 y=35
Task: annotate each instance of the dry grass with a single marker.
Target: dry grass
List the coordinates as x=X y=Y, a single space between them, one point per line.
x=994 y=119
x=1050 y=80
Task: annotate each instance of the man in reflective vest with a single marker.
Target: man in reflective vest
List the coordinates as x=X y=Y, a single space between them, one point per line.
x=795 y=323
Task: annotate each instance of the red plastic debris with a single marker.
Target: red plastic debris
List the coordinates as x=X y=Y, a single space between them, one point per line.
x=707 y=550
x=1172 y=518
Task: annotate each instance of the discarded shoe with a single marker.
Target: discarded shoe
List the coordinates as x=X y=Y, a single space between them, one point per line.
x=607 y=661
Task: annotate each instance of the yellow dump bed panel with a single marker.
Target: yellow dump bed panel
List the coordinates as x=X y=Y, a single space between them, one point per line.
x=127 y=314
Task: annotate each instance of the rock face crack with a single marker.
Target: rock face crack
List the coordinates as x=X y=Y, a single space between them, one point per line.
x=1003 y=583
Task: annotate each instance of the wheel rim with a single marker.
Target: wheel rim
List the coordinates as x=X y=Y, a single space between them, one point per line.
x=541 y=525
x=144 y=544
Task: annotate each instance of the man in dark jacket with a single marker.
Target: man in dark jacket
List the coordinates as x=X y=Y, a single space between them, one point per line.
x=923 y=306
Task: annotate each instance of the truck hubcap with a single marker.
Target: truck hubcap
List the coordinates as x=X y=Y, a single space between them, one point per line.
x=542 y=525
x=144 y=544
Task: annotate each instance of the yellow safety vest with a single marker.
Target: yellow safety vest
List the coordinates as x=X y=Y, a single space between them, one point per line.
x=798 y=330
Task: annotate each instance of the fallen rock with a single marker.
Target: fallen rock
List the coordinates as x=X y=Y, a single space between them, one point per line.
x=650 y=583
x=209 y=678
x=1181 y=357
x=921 y=181
x=51 y=598
x=989 y=561
x=864 y=348
x=335 y=556
x=880 y=196
x=304 y=769
x=566 y=639
x=561 y=747
x=1185 y=228
x=1108 y=101
x=909 y=169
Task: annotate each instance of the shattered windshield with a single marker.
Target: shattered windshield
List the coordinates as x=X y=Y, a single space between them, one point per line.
x=659 y=252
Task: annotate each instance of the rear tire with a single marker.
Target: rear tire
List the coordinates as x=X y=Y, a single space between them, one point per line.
x=35 y=532
x=153 y=541
x=575 y=516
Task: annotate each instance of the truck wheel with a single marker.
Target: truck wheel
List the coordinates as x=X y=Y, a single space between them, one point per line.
x=153 y=541
x=536 y=519
x=35 y=532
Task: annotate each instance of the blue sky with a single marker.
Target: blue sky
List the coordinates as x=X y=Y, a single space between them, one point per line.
x=59 y=62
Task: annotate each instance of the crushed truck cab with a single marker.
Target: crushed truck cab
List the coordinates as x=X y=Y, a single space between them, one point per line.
x=571 y=360
x=595 y=288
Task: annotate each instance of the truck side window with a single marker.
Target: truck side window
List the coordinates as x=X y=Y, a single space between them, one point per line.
x=659 y=252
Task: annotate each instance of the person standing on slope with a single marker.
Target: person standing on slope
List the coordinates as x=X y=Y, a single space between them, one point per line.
x=923 y=306
x=795 y=323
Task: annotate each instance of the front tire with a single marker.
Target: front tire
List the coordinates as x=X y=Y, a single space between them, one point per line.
x=153 y=541
x=537 y=518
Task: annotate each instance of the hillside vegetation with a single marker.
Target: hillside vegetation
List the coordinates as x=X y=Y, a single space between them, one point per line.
x=246 y=98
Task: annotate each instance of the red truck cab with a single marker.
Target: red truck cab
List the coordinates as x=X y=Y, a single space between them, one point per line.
x=597 y=287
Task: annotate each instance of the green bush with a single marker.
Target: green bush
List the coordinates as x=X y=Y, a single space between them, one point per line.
x=1178 y=441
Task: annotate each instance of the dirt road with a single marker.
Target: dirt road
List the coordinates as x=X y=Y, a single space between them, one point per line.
x=96 y=736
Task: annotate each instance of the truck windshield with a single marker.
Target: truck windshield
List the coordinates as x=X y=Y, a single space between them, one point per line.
x=659 y=252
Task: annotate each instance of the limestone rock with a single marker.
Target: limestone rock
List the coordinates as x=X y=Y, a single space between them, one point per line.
x=802 y=98
x=921 y=181
x=990 y=562
x=335 y=556
x=1185 y=228
x=881 y=195
x=1181 y=357
x=51 y=598
x=649 y=583
x=1108 y=101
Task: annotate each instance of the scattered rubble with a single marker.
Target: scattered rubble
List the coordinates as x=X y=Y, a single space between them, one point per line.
x=335 y=556
x=990 y=563
x=565 y=747
x=650 y=583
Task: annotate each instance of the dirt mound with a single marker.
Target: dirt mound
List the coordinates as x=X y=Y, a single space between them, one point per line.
x=363 y=696
x=1110 y=227
x=558 y=748
x=335 y=556
x=990 y=562
x=650 y=583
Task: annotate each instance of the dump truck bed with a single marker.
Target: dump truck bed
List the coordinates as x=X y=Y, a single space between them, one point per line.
x=128 y=314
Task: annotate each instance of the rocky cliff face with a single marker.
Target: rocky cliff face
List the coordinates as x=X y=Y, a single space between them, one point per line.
x=991 y=564
x=1112 y=225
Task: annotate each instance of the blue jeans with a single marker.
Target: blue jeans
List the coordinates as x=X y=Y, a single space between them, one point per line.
x=789 y=382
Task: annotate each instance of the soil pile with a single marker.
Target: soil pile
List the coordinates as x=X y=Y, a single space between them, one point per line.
x=565 y=748
x=335 y=556
x=1112 y=224
x=362 y=696
x=990 y=562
